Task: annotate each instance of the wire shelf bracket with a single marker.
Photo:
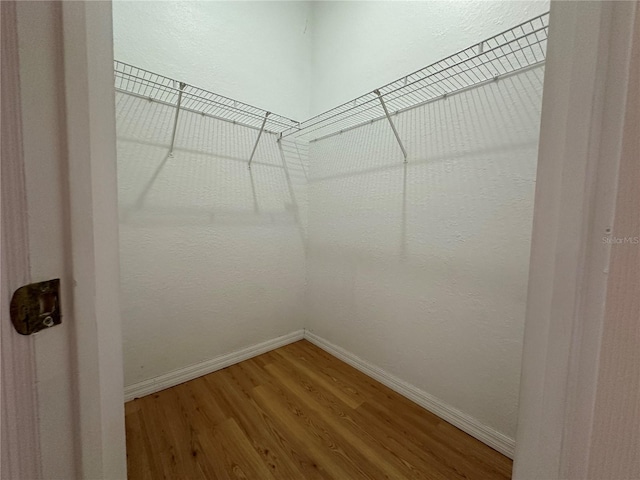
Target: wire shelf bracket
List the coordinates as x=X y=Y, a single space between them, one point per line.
x=255 y=147
x=175 y=118
x=393 y=127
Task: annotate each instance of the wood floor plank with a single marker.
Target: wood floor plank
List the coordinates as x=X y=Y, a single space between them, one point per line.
x=161 y=440
x=327 y=448
x=362 y=387
x=297 y=413
x=132 y=407
x=454 y=463
x=205 y=418
x=262 y=360
x=280 y=451
x=339 y=417
x=137 y=453
x=196 y=397
x=398 y=443
x=234 y=454
x=403 y=409
x=340 y=389
x=183 y=436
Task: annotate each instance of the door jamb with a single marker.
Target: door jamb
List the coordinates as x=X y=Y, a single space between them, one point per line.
x=583 y=120
x=90 y=114
x=19 y=443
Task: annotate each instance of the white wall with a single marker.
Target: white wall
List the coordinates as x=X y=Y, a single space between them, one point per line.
x=211 y=252
x=429 y=281
x=429 y=284
x=257 y=52
x=360 y=46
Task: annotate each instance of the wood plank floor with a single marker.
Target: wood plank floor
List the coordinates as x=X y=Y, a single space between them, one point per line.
x=297 y=413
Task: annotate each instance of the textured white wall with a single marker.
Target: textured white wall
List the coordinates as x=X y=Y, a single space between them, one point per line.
x=257 y=52
x=427 y=277
x=211 y=252
x=360 y=46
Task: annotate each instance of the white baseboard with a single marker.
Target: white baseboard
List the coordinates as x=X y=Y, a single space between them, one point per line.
x=185 y=374
x=464 y=422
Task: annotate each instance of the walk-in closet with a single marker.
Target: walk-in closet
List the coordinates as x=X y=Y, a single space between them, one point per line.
x=332 y=240
x=325 y=228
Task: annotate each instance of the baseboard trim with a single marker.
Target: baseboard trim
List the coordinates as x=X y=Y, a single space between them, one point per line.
x=464 y=422
x=185 y=374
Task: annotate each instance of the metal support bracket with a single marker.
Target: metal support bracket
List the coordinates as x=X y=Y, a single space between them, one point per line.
x=175 y=119
x=255 y=147
x=393 y=127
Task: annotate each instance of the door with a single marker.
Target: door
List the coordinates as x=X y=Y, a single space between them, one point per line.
x=62 y=392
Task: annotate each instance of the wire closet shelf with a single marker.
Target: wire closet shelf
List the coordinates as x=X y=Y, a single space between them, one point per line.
x=158 y=88
x=520 y=47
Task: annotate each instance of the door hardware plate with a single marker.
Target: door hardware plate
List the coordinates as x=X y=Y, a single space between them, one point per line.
x=36 y=307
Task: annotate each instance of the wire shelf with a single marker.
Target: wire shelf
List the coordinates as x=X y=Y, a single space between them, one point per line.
x=513 y=50
x=158 y=88
x=518 y=48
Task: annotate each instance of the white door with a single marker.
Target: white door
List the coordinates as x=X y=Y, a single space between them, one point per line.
x=62 y=392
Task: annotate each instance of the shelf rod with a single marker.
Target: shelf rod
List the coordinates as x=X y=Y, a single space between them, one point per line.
x=393 y=127
x=175 y=120
x=264 y=122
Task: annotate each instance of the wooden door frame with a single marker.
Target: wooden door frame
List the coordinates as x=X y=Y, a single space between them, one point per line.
x=20 y=446
x=89 y=266
x=91 y=143
x=587 y=104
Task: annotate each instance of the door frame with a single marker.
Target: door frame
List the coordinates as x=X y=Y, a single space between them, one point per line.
x=62 y=124
x=588 y=128
x=19 y=442
x=91 y=143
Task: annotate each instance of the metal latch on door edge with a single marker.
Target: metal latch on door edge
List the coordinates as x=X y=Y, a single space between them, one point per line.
x=36 y=307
